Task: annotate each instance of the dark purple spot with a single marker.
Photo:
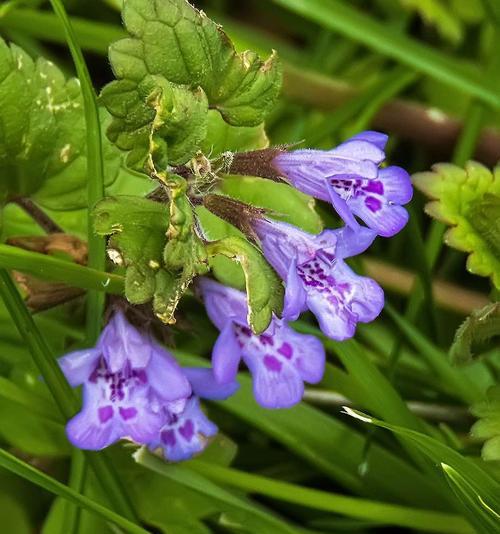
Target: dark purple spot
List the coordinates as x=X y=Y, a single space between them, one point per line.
x=187 y=430
x=286 y=350
x=168 y=437
x=272 y=363
x=141 y=376
x=105 y=413
x=127 y=413
x=330 y=280
x=373 y=204
x=266 y=340
x=374 y=186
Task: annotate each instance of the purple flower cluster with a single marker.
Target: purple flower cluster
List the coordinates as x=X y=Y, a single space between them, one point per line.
x=134 y=389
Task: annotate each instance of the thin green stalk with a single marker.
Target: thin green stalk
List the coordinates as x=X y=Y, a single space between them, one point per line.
x=59 y=388
x=51 y=268
x=77 y=478
x=383 y=513
x=95 y=171
x=28 y=472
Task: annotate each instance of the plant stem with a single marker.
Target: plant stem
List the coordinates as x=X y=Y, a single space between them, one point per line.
x=38 y=215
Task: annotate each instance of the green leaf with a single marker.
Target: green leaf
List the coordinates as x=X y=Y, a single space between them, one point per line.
x=468 y=200
x=249 y=516
x=480 y=326
x=288 y=204
x=155 y=119
x=488 y=427
x=137 y=227
x=15 y=465
x=42 y=133
x=332 y=447
x=176 y=64
x=378 y=512
x=51 y=268
x=482 y=486
x=264 y=288
x=484 y=518
x=222 y=137
x=13 y=516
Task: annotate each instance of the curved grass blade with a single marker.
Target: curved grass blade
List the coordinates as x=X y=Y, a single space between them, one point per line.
x=51 y=268
x=340 y=17
x=354 y=507
x=95 y=171
x=17 y=466
x=479 y=484
x=250 y=517
x=58 y=386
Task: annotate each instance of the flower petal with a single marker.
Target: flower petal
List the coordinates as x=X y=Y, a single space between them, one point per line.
x=205 y=385
x=309 y=354
x=295 y=295
x=376 y=138
x=360 y=149
x=222 y=303
x=187 y=435
x=226 y=355
x=139 y=423
x=165 y=375
x=276 y=384
x=77 y=366
x=341 y=298
x=382 y=217
x=351 y=242
x=120 y=341
x=342 y=207
x=397 y=184
x=96 y=426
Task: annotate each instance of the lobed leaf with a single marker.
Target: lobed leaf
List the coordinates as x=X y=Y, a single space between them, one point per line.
x=487 y=428
x=468 y=200
x=480 y=326
x=42 y=133
x=175 y=65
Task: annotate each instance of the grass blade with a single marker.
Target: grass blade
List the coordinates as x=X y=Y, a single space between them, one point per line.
x=24 y=470
x=58 y=386
x=253 y=518
x=383 y=513
x=51 y=268
x=340 y=17
x=95 y=171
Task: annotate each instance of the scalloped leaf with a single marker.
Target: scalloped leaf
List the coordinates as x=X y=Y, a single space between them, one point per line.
x=137 y=229
x=468 y=200
x=42 y=134
x=487 y=429
x=480 y=326
x=175 y=65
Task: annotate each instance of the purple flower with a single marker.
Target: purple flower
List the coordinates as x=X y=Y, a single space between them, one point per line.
x=317 y=277
x=280 y=360
x=126 y=377
x=350 y=178
x=187 y=429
